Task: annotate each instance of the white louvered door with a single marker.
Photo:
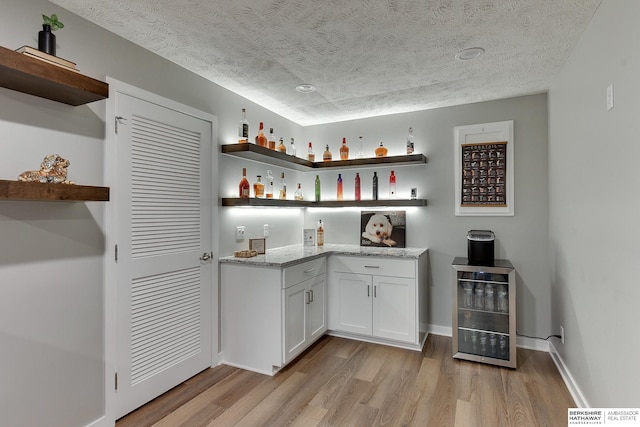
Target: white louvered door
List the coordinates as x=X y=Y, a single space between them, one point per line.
x=164 y=216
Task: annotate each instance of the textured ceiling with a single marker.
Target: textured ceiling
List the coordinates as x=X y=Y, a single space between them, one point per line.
x=366 y=57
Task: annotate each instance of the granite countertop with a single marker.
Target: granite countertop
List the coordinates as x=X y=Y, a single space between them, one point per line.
x=295 y=254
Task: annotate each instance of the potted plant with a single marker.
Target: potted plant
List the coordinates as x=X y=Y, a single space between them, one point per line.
x=46 y=39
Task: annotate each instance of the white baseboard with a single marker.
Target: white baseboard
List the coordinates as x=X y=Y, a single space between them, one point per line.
x=575 y=391
x=445 y=331
x=532 y=343
x=100 y=422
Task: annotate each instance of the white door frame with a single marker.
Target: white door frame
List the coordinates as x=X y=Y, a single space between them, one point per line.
x=110 y=273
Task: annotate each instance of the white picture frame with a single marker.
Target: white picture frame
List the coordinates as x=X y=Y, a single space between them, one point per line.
x=479 y=135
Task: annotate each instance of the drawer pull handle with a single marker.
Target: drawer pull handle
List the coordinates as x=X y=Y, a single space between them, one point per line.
x=308 y=297
x=368 y=290
x=375 y=292
x=309 y=270
x=311 y=293
x=371 y=266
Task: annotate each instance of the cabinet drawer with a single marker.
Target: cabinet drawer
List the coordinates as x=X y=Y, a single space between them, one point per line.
x=301 y=272
x=378 y=266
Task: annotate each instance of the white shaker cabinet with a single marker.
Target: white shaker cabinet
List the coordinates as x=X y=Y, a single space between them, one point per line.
x=271 y=314
x=378 y=299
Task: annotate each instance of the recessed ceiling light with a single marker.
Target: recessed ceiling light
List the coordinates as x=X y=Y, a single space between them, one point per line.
x=471 y=53
x=306 y=88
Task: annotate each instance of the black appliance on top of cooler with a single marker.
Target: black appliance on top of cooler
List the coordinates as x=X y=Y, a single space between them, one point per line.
x=480 y=247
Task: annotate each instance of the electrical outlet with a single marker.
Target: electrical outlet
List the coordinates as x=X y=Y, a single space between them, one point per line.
x=266 y=230
x=240 y=232
x=562 y=334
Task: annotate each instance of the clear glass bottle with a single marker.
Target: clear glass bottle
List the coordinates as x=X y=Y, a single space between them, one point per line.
x=317 y=188
x=271 y=141
x=326 y=156
x=392 y=185
x=489 y=301
x=298 y=195
x=269 y=185
x=360 y=153
x=310 y=156
x=339 y=187
x=292 y=148
x=410 y=141
x=478 y=300
x=357 y=190
x=261 y=139
x=381 y=151
x=344 y=150
x=374 y=188
x=281 y=147
x=243 y=128
x=258 y=187
x=320 y=233
x=503 y=299
x=244 y=185
x=282 y=194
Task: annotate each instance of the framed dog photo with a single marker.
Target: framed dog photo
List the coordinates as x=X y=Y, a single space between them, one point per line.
x=386 y=229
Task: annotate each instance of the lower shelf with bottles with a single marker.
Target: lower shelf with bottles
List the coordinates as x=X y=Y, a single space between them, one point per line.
x=238 y=202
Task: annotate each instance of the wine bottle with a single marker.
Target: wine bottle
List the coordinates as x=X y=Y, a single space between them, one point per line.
x=344 y=150
x=283 y=188
x=392 y=186
x=410 y=141
x=261 y=139
x=326 y=156
x=244 y=185
x=357 y=195
x=339 y=187
x=243 y=129
x=317 y=188
x=374 y=187
x=310 y=156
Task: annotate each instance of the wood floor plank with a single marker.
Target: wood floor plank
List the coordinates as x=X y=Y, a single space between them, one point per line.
x=340 y=382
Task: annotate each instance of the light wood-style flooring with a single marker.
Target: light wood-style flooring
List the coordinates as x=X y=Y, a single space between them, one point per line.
x=340 y=382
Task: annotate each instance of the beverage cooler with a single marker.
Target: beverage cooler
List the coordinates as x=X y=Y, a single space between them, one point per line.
x=484 y=312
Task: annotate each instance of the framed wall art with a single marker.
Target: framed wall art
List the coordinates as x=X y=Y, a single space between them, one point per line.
x=484 y=169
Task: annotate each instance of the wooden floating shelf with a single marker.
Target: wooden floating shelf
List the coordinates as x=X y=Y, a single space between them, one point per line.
x=262 y=154
x=18 y=190
x=25 y=74
x=237 y=202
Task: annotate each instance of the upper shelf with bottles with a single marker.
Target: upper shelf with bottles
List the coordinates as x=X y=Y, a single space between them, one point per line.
x=263 y=154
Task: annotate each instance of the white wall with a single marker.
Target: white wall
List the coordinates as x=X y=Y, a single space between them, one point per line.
x=51 y=253
x=594 y=208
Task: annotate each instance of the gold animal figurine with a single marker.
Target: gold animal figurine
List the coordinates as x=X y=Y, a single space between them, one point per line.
x=53 y=169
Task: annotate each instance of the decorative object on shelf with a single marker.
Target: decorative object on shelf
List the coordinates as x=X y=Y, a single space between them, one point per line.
x=309 y=237
x=245 y=254
x=271 y=141
x=310 y=155
x=392 y=185
x=484 y=169
x=320 y=233
x=410 y=144
x=383 y=228
x=339 y=188
x=344 y=150
x=374 y=187
x=243 y=128
x=360 y=153
x=269 y=185
x=357 y=195
x=317 y=189
x=243 y=187
x=53 y=169
x=258 y=245
x=281 y=147
x=46 y=39
x=258 y=187
x=261 y=139
x=326 y=156
x=51 y=59
x=291 y=150
x=282 y=193
x=298 y=195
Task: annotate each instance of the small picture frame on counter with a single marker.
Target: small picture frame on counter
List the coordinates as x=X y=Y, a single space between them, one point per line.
x=309 y=237
x=258 y=245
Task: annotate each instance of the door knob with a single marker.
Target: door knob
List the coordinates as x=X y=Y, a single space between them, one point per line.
x=206 y=256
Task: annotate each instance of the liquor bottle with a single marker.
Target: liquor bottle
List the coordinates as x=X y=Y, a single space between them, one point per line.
x=320 y=234
x=269 y=185
x=339 y=189
x=410 y=141
x=244 y=185
x=243 y=129
x=374 y=195
x=326 y=156
x=357 y=186
x=344 y=150
x=317 y=188
x=271 y=141
x=392 y=186
x=283 y=188
x=310 y=156
x=292 y=149
x=298 y=194
x=360 y=154
x=281 y=147
x=381 y=151
x=258 y=187
x=261 y=139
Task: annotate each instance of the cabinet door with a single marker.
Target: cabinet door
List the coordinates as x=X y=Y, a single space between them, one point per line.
x=351 y=303
x=295 y=328
x=394 y=308
x=317 y=308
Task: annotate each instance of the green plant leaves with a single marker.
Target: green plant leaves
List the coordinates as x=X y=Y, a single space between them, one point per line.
x=52 y=21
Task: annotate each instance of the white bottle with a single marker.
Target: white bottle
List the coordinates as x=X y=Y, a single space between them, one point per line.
x=269 y=185
x=410 y=141
x=292 y=149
